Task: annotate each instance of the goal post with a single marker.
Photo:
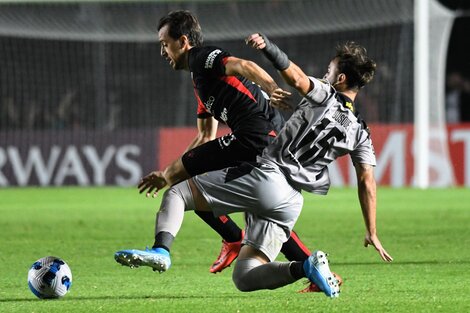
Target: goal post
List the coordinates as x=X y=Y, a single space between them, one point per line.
x=432 y=28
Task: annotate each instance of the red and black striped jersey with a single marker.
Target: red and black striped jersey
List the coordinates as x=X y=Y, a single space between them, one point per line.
x=233 y=100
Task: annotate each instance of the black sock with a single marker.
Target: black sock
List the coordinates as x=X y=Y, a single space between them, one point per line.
x=296 y=269
x=163 y=240
x=294 y=250
x=223 y=225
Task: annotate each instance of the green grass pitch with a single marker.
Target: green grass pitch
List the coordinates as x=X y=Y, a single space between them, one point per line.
x=426 y=231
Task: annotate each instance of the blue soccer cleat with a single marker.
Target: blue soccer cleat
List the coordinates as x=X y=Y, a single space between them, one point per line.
x=158 y=258
x=318 y=272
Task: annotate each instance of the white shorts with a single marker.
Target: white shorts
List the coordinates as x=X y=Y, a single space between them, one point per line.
x=272 y=206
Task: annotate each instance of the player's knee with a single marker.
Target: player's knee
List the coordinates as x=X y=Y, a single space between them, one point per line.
x=240 y=280
x=170 y=192
x=242 y=277
x=170 y=198
x=179 y=193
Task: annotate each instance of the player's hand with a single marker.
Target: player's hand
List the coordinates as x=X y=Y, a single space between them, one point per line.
x=280 y=99
x=256 y=41
x=152 y=183
x=373 y=240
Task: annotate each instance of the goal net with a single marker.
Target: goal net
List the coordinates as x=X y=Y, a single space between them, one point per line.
x=81 y=68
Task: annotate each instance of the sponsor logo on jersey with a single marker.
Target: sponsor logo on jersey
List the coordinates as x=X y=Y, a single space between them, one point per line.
x=350 y=106
x=211 y=57
x=208 y=104
x=342 y=119
x=223 y=115
x=226 y=140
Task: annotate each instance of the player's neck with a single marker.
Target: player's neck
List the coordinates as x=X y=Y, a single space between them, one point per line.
x=186 y=59
x=349 y=93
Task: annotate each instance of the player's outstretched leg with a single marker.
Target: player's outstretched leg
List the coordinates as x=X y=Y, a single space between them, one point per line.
x=318 y=272
x=158 y=258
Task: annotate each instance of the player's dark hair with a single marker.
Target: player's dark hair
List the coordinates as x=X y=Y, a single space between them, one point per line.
x=354 y=62
x=181 y=23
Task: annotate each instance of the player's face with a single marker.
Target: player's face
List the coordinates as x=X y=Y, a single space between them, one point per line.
x=331 y=74
x=172 y=50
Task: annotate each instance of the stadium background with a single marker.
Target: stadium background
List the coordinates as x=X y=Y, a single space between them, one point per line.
x=86 y=99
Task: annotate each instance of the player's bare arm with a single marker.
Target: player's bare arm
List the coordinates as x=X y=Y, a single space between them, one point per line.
x=157 y=180
x=368 y=200
x=152 y=183
x=290 y=72
x=236 y=66
x=296 y=78
x=206 y=131
x=175 y=172
x=250 y=70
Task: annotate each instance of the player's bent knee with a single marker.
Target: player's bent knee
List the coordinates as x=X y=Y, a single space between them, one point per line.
x=241 y=282
x=241 y=276
x=179 y=193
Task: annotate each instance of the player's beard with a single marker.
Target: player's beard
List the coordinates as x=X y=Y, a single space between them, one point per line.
x=335 y=82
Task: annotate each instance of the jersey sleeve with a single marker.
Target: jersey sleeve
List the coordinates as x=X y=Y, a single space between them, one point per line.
x=364 y=152
x=321 y=91
x=209 y=61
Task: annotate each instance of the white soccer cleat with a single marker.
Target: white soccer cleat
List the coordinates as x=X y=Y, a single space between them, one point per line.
x=158 y=259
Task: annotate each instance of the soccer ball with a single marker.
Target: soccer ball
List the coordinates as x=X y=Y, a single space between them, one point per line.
x=49 y=278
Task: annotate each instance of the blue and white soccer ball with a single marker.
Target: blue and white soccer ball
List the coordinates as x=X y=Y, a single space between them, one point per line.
x=49 y=278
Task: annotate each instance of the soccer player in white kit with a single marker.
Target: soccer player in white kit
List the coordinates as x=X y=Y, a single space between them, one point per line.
x=324 y=127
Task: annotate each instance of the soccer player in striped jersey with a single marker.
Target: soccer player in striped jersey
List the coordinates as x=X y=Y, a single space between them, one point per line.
x=228 y=90
x=324 y=126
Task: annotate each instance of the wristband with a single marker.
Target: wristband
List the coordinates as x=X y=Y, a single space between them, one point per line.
x=275 y=55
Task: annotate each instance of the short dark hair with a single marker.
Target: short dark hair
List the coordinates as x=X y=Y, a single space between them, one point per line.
x=354 y=62
x=181 y=23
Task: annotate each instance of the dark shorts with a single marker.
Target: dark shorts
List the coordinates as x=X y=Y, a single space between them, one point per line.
x=226 y=151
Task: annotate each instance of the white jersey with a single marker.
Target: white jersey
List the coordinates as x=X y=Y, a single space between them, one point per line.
x=323 y=128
